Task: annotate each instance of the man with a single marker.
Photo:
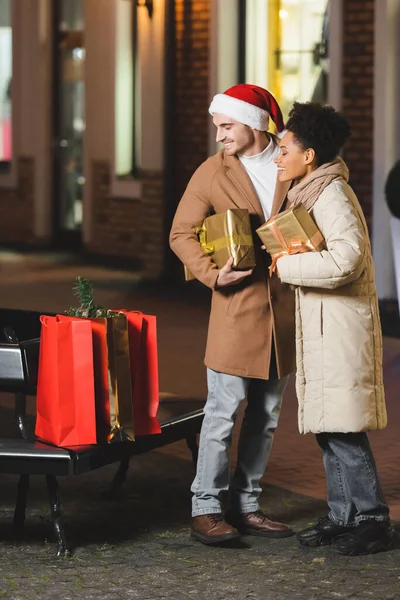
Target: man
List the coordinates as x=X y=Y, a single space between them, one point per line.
x=250 y=346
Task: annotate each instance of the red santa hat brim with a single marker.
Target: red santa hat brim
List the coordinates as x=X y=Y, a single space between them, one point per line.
x=241 y=111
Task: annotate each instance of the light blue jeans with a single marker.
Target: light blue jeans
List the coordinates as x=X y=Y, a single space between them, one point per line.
x=225 y=394
x=354 y=491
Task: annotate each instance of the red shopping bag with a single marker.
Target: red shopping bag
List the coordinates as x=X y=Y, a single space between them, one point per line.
x=112 y=378
x=65 y=402
x=142 y=331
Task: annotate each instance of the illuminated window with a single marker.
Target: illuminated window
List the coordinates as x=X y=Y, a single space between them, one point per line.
x=5 y=83
x=127 y=87
x=287 y=49
x=302 y=56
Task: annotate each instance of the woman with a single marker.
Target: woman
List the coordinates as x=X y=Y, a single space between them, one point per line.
x=338 y=336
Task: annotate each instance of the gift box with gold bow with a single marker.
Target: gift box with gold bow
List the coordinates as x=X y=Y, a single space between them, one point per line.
x=226 y=235
x=290 y=232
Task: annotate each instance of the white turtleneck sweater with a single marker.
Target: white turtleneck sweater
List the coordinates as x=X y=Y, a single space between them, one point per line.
x=263 y=173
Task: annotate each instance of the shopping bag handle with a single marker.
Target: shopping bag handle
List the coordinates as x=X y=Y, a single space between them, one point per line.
x=124 y=310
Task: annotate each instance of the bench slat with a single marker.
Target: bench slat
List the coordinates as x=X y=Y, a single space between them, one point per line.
x=36 y=458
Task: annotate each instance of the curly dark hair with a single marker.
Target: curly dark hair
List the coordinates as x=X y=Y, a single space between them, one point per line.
x=318 y=127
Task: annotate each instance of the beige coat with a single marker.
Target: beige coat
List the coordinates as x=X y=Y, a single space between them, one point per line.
x=244 y=318
x=338 y=333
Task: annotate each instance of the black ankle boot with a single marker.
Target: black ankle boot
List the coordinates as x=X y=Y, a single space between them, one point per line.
x=369 y=537
x=322 y=533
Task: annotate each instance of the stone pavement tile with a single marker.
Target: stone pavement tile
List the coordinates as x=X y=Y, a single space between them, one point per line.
x=139 y=547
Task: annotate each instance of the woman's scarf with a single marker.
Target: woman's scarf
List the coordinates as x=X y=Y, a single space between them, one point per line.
x=309 y=190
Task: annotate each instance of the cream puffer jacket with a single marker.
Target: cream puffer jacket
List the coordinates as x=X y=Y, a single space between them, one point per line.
x=339 y=379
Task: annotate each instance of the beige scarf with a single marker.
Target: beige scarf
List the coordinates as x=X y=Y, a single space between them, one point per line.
x=309 y=190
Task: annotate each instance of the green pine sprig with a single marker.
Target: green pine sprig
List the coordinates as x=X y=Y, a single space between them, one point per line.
x=83 y=290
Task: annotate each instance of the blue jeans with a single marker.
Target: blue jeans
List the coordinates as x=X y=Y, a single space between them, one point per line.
x=225 y=394
x=354 y=491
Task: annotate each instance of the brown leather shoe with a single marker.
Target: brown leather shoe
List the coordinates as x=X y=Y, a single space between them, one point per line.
x=212 y=529
x=257 y=523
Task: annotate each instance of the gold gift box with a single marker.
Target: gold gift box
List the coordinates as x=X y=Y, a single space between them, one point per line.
x=227 y=235
x=291 y=232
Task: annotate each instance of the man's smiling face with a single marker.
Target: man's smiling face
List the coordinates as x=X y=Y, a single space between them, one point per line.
x=236 y=137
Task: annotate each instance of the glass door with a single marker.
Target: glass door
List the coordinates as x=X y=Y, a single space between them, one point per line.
x=301 y=56
x=69 y=119
x=287 y=49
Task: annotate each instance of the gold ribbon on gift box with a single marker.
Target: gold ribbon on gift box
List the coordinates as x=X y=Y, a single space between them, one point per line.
x=225 y=235
x=293 y=247
x=235 y=239
x=201 y=235
x=292 y=231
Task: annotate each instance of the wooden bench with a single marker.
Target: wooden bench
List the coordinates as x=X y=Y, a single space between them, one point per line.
x=180 y=419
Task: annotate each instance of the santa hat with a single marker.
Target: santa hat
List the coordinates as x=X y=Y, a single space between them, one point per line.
x=250 y=105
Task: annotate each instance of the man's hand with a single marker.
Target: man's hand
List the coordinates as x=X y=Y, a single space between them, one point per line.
x=227 y=276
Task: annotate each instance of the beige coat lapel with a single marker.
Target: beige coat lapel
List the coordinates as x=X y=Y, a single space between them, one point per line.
x=237 y=173
x=281 y=191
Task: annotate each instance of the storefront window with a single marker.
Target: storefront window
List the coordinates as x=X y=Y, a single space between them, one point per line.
x=5 y=83
x=298 y=59
x=69 y=110
x=293 y=35
x=127 y=89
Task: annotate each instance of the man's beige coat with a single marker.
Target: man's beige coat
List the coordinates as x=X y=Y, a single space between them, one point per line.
x=247 y=318
x=338 y=333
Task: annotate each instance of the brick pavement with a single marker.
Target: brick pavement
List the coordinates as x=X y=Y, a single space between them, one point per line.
x=141 y=549
x=296 y=460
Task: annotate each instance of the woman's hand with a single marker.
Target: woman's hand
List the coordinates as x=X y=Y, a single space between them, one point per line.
x=276 y=268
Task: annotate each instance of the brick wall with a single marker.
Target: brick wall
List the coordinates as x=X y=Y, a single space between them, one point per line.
x=127 y=228
x=17 y=205
x=191 y=89
x=188 y=98
x=358 y=101
x=153 y=239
